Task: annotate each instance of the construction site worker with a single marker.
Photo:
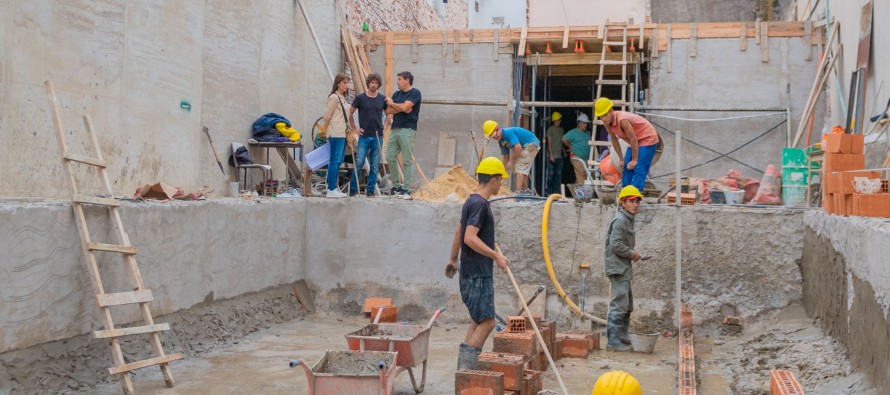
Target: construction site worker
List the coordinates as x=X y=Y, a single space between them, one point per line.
x=619 y=255
x=638 y=133
x=336 y=126
x=404 y=106
x=617 y=382
x=578 y=142
x=370 y=106
x=474 y=240
x=554 y=154
x=519 y=147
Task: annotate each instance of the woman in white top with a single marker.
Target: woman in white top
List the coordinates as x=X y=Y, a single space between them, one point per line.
x=336 y=127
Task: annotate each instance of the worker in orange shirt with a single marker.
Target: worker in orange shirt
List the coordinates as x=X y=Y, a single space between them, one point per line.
x=644 y=141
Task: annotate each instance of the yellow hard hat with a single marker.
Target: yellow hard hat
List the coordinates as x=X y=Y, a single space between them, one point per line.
x=488 y=127
x=629 y=191
x=617 y=382
x=602 y=106
x=492 y=166
x=555 y=116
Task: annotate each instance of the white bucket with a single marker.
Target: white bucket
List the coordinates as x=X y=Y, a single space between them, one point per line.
x=734 y=197
x=643 y=343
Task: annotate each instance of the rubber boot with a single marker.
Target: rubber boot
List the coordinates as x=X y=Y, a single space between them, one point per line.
x=613 y=330
x=468 y=357
x=625 y=324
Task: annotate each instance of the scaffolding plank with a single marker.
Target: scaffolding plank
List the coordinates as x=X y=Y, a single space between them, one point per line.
x=112 y=248
x=136 y=330
x=120 y=298
x=95 y=200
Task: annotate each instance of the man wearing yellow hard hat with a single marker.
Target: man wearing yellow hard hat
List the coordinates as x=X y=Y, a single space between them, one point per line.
x=554 y=154
x=474 y=242
x=619 y=255
x=519 y=147
x=638 y=133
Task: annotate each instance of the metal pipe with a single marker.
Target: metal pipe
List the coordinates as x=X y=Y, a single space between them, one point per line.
x=534 y=120
x=677 y=226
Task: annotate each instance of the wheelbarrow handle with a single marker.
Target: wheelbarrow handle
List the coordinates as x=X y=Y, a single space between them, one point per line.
x=436 y=314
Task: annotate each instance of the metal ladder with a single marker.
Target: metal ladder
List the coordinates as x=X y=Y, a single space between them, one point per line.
x=140 y=295
x=592 y=163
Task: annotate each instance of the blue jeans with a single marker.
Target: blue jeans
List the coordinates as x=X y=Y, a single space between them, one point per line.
x=338 y=149
x=554 y=176
x=368 y=147
x=637 y=176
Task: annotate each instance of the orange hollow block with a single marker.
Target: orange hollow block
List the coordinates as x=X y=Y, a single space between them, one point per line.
x=511 y=365
x=843 y=162
x=523 y=343
x=573 y=345
x=871 y=205
x=371 y=303
x=845 y=179
x=478 y=382
x=857 y=143
x=515 y=324
x=390 y=314
x=838 y=143
x=840 y=207
x=593 y=338
x=828 y=202
x=534 y=381
x=783 y=382
x=885 y=186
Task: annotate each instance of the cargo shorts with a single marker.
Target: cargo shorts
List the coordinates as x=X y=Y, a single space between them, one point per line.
x=478 y=295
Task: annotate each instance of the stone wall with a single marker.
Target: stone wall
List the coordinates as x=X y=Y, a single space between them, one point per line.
x=406 y=15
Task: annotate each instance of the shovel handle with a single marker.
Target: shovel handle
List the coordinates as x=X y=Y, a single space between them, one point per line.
x=435 y=315
x=379 y=314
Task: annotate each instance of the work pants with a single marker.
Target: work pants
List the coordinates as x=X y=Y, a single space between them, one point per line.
x=401 y=140
x=338 y=149
x=368 y=147
x=637 y=176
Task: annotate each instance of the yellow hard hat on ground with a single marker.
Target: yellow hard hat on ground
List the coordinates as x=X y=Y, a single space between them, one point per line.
x=488 y=127
x=617 y=382
x=555 y=116
x=492 y=166
x=602 y=106
x=629 y=191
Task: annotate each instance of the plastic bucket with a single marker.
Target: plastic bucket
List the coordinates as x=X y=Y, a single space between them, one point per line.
x=643 y=343
x=717 y=197
x=794 y=196
x=734 y=197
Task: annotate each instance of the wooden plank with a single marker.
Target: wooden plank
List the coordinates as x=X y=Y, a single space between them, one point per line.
x=764 y=42
x=144 y=363
x=611 y=82
x=565 y=37
x=456 y=47
x=668 y=37
x=522 y=38
x=743 y=38
x=693 y=40
x=135 y=330
x=757 y=26
x=111 y=248
x=95 y=200
x=119 y=298
x=85 y=160
x=447 y=149
x=654 y=43
x=389 y=74
x=558 y=59
x=494 y=47
x=808 y=41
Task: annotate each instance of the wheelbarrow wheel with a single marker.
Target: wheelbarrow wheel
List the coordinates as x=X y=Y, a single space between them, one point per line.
x=422 y=379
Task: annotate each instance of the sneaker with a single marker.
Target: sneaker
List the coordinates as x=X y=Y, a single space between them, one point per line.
x=335 y=193
x=352 y=192
x=403 y=194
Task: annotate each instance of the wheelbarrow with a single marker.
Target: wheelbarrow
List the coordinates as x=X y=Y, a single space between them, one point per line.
x=349 y=372
x=411 y=342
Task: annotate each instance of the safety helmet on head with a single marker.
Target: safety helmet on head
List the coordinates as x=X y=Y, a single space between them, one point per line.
x=629 y=191
x=582 y=117
x=601 y=106
x=492 y=166
x=488 y=127
x=555 y=116
x=617 y=382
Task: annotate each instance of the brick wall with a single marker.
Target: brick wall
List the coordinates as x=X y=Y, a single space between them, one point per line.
x=406 y=15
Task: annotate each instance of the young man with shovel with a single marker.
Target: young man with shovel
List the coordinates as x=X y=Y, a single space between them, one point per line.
x=619 y=255
x=474 y=241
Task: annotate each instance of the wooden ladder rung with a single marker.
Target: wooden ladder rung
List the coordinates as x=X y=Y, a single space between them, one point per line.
x=613 y=62
x=616 y=23
x=95 y=200
x=599 y=143
x=614 y=43
x=136 y=330
x=611 y=82
x=144 y=363
x=119 y=298
x=112 y=248
x=85 y=160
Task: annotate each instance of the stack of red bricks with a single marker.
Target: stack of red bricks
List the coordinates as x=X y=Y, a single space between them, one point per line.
x=844 y=161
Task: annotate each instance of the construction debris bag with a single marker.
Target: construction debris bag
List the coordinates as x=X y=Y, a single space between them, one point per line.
x=770 y=191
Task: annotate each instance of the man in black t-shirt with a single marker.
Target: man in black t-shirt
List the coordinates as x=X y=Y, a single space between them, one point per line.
x=404 y=106
x=474 y=240
x=370 y=106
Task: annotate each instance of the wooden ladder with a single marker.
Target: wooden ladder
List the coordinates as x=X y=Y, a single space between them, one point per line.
x=591 y=161
x=104 y=300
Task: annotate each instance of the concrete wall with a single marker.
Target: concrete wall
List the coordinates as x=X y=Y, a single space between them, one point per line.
x=682 y=11
x=129 y=64
x=513 y=12
x=584 y=12
x=404 y=15
x=846 y=285
x=191 y=253
x=722 y=76
x=478 y=76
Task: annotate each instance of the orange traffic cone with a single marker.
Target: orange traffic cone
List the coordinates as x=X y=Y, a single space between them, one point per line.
x=579 y=46
x=608 y=49
x=632 y=49
x=548 y=48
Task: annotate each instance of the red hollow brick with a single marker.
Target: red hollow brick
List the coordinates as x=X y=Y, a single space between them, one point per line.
x=478 y=382
x=783 y=382
x=515 y=324
x=593 y=338
x=534 y=381
x=573 y=345
x=523 y=343
x=511 y=365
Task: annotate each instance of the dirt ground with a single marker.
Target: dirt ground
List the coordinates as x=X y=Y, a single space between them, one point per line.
x=726 y=364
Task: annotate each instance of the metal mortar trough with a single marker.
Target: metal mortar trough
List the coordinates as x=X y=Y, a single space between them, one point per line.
x=582 y=193
x=351 y=372
x=643 y=343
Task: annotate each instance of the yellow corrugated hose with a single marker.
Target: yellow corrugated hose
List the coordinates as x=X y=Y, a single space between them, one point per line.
x=545 y=245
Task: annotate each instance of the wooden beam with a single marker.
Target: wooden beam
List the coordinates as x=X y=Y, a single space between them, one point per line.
x=560 y=59
x=565 y=37
x=389 y=67
x=522 y=38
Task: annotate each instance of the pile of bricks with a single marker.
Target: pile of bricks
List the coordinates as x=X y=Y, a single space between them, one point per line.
x=844 y=161
x=783 y=382
x=686 y=384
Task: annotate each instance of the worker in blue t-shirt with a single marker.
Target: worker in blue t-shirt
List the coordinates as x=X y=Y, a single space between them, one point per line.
x=519 y=147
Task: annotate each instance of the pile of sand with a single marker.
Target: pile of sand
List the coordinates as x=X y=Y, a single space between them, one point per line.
x=455 y=181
